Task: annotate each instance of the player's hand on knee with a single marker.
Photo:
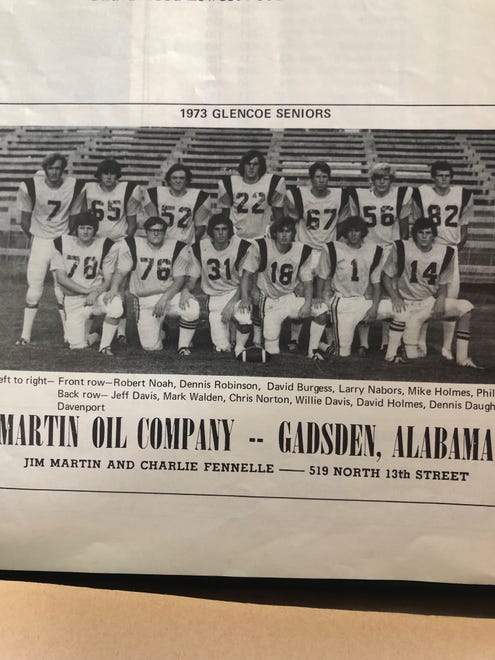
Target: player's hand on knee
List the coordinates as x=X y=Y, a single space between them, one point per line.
x=185 y=297
x=91 y=298
x=227 y=312
x=108 y=296
x=244 y=306
x=160 y=307
x=370 y=315
x=398 y=305
x=438 y=310
x=305 y=311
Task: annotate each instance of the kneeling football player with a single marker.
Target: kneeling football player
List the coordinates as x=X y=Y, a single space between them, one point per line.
x=280 y=263
x=158 y=267
x=217 y=260
x=346 y=269
x=417 y=275
x=83 y=266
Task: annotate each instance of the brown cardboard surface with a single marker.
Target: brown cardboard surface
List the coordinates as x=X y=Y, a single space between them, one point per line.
x=51 y=621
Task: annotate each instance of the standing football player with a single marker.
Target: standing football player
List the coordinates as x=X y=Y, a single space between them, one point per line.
x=347 y=268
x=450 y=208
x=253 y=197
x=158 y=268
x=386 y=210
x=115 y=204
x=185 y=210
x=217 y=260
x=317 y=209
x=281 y=263
x=47 y=204
x=83 y=265
x=417 y=275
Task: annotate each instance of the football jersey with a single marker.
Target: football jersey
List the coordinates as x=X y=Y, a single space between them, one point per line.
x=318 y=216
x=449 y=212
x=152 y=269
x=112 y=207
x=219 y=269
x=382 y=214
x=181 y=213
x=49 y=207
x=278 y=273
x=86 y=265
x=350 y=269
x=251 y=203
x=419 y=274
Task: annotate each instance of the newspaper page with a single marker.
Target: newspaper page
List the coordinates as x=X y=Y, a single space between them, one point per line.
x=269 y=347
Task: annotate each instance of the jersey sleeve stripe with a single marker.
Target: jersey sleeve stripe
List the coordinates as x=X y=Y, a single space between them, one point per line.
x=78 y=186
x=305 y=255
x=401 y=257
x=107 y=246
x=263 y=254
x=332 y=253
x=466 y=197
x=274 y=181
x=179 y=246
x=416 y=198
x=449 y=255
x=58 y=244
x=153 y=194
x=346 y=195
x=200 y=200
x=131 y=244
x=227 y=183
x=241 y=253
x=129 y=189
x=376 y=258
x=401 y=193
x=31 y=189
x=298 y=202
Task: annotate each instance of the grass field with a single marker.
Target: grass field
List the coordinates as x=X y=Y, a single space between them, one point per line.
x=47 y=353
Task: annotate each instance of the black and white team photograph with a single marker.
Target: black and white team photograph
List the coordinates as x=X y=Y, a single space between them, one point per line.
x=318 y=253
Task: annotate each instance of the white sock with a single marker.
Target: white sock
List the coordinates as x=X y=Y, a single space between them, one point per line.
x=107 y=333
x=27 y=326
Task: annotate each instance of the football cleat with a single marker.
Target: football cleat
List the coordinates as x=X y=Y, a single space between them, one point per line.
x=22 y=342
x=469 y=363
x=106 y=351
x=447 y=354
x=121 y=340
x=93 y=337
x=254 y=354
x=318 y=355
x=398 y=359
x=184 y=351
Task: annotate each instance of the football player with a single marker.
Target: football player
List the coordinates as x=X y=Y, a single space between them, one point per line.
x=347 y=268
x=450 y=208
x=417 y=275
x=83 y=265
x=217 y=260
x=317 y=209
x=158 y=268
x=281 y=263
x=251 y=197
x=185 y=210
x=46 y=204
x=115 y=204
x=386 y=210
